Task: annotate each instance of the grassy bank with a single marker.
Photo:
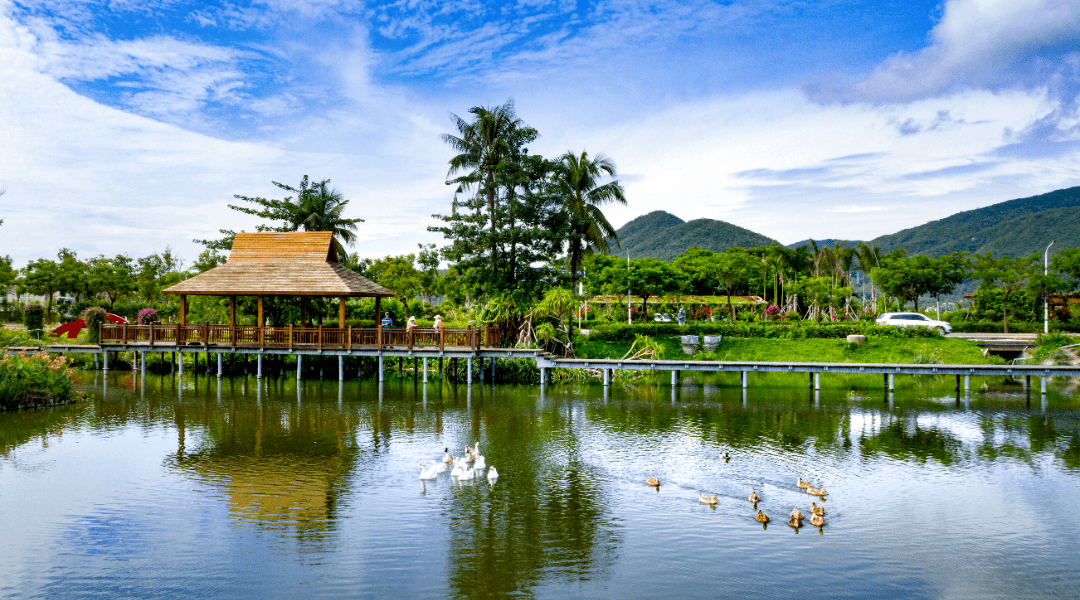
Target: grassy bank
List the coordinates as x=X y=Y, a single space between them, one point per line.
x=875 y=350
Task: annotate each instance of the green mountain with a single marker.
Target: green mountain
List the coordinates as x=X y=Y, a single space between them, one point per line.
x=662 y=235
x=1017 y=227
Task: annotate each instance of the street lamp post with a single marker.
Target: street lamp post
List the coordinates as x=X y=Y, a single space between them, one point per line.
x=1046 y=294
x=629 y=320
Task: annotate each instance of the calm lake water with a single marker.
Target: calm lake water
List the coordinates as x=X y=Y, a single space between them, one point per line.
x=228 y=489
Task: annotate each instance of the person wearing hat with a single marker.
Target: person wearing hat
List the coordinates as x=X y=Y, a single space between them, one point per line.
x=438 y=323
x=411 y=324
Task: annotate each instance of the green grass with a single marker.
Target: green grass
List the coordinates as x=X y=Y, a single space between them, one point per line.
x=875 y=350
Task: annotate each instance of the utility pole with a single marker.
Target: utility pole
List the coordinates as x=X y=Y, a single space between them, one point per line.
x=1046 y=293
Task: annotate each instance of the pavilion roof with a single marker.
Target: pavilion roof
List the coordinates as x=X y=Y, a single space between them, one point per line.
x=281 y=264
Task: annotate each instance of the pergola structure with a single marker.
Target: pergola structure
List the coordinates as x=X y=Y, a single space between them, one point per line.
x=298 y=264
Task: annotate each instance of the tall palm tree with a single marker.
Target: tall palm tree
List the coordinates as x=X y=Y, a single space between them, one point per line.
x=481 y=146
x=576 y=184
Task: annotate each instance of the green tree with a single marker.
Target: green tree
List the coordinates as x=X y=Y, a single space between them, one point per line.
x=155 y=273
x=42 y=277
x=1067 y=262
x=399 y=275
x=733 y=267
x=823 y=293
x=1007 y=273
x=315 y=207
x=112 y=277
x=576 y=182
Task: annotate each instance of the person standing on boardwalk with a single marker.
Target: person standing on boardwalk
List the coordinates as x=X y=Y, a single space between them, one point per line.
x=439 y=322
x=386 y=323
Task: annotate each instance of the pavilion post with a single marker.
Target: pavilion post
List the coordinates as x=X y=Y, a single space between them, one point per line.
x=262 y=322
x=183 y=310
x=378 y=309
x=303 y=311
x=341 y=313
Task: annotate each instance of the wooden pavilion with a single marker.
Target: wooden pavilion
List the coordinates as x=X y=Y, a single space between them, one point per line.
x=300 y=265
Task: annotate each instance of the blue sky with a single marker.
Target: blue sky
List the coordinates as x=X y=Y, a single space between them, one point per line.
x=127 y=126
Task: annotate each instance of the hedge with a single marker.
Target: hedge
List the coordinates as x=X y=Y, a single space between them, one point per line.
x=757 y=329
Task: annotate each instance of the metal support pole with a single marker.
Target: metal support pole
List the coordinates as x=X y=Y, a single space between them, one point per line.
x=105 y=360
x=142 y=364
x=543 y=376
x=468 y=371
x=440 y=369
x=958 y=383
x=340 y=368
x=258 y=373
x=674 y=378
x=415 y=370
x=180 y=363
x=425 y=369
x=885 y=382
x=892 y=382
x=1042 y=385
x=299 y=363
x=967 y=382
x=817 y=381
x=399 y=374
x=481 y=359
x=380 y=368
x=742 y=378
x=607 y=377
x=1027 y=382
x=219 y=365
x=493 y=370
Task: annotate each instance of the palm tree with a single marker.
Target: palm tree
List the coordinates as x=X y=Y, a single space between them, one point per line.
x=320 y=209
x=576 y=186
x=482 y=145
x=868 y=259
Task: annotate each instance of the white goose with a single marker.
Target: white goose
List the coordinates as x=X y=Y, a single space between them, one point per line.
x=447 y=457
x=480 y=463
x=492 y=474
x=468 y=475
x=429 y=470
x=459 y=468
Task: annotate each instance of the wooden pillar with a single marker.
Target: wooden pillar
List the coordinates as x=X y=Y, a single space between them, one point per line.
x=341 y=313
x=262 y=319
x=303 y=311
x=183 y=309
x=232 y=311
x=378 y=309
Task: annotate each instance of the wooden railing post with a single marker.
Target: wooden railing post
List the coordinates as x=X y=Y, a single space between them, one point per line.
x=378 y=335
x=206 y=334
x=320 y=337
x=151 y=333
x=261 y=333
x=176 y=336
x=290 y=336
x=442 y=339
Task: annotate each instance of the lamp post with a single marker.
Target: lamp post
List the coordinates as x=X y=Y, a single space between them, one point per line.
x=1046 y=294
x=629 y=319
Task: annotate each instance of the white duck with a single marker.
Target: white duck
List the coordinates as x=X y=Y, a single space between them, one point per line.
x=440 y=467
x=468 y=475
x=447 y=457
x=429 y=470
x=459 y=468
x=492 y=474
x=480 y=463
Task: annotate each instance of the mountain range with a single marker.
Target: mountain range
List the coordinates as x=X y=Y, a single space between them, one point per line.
x=1018 y=227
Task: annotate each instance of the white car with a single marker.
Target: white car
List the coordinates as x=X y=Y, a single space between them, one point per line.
x=910 y=319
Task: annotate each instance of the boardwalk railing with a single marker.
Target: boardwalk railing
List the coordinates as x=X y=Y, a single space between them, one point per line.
x=248 y=336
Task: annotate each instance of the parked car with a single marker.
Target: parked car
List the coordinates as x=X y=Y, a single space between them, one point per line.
x=911 y=319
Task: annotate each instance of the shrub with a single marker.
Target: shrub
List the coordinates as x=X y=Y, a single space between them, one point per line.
x=34 y=319
x=94 y=317
x=32 y=380
x=756 y=329
x=147 y=316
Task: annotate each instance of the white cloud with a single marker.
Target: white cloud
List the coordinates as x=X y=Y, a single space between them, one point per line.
x=983 y=45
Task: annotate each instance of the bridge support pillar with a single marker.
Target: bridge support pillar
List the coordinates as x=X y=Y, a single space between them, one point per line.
x=219 y=365
x=180 y=363
x=744 y=375
x=340 y=367
x=958 y=383
x=492 y=370
x=967 y=382
x=105 y=360
x=1042 y=385
x=380 y=368
x=892 y=382
x=299 y=364
x=142 y=364
x=1027 y=382
x=817 y=382
x=469 y=375
x=440 y=369
x=607 y=377
x=885 y=381
x=674 y=378
x=258 y=366
x=481 y=359
x=425 y=369
x=543 y=376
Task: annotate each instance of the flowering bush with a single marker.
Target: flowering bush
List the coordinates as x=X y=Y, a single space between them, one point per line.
x=94 y=317
x=772 y=313
x=702 y=313
x=146 y=316
x=34 y=379
x=34 y=318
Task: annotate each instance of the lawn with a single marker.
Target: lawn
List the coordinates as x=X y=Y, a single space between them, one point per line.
x=875 y=350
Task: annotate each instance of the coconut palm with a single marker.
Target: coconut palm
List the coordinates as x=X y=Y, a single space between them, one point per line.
x=576 y=184
x=482 y=146
x=320 y=209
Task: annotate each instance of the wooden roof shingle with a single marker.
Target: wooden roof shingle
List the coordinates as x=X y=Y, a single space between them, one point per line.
x=281 y=264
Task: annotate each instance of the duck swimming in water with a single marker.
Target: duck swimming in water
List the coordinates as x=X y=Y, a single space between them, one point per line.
x=754 y=497
x=761 y=517
x=725 y=456
x=795 y=514
x=654 y=482
x=816 y=492
x=429 y=470
x=447 y=457
x=492 y=474
x=802 y=484
x=817 y=520
x=817 y=510
x=710 y=500
x=793 y=522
